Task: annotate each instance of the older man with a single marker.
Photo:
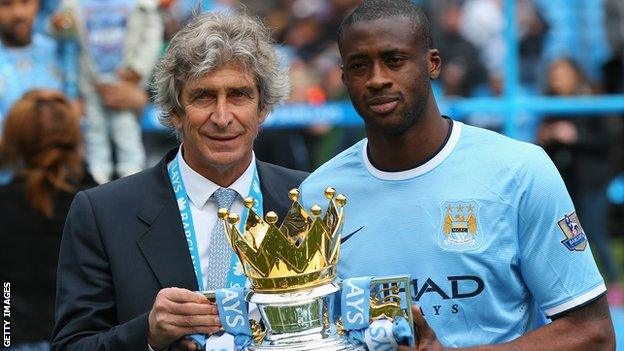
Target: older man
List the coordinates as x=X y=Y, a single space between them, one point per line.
x=134 y=250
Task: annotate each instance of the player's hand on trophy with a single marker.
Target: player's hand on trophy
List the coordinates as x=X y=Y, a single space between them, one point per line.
x=179 y=312
x=426 y=339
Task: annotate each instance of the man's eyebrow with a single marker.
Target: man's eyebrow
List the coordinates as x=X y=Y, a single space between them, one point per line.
x=197 y=92
x=383 y=53
x=391 y=52
x=243 y=88
x=355 y=56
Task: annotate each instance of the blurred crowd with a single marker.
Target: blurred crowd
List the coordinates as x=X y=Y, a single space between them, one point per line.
x=119 y=47
x=100 y=54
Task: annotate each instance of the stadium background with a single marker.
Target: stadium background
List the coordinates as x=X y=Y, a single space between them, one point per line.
x=496 y=54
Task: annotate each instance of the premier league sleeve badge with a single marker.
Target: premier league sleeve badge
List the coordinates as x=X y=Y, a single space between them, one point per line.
x=575 y=240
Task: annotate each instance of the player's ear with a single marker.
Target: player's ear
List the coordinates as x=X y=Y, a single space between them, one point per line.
x=342 y=75
x=434 y=63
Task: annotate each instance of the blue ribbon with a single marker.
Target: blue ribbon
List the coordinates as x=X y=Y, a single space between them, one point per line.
x=200 y=340
x=402 y=331
x=216 y=342
x=354 y=302
x=234 y=319
x=383 y=335
x=233 y=315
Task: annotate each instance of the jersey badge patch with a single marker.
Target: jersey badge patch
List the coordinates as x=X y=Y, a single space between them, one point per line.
x=460 y=228
x=575 y=240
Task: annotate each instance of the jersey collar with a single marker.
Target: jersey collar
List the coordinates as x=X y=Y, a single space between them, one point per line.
x=420 y=170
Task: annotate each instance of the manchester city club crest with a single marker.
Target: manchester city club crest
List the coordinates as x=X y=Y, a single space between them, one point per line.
x=575 y=240
x=460 y=229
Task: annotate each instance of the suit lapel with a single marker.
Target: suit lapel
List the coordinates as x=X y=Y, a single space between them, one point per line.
x=274 y=190
x=270 y=195
x=164 y=244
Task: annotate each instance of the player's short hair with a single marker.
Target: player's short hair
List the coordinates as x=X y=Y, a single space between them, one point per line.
x=210 y=41
x=371 y=10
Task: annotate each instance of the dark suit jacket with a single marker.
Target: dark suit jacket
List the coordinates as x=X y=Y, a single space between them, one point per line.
x=122 y=243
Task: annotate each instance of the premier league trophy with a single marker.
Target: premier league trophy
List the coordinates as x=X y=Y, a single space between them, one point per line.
x=292 y=270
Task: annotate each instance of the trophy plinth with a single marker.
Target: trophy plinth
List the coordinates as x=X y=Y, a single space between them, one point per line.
x=299 y=321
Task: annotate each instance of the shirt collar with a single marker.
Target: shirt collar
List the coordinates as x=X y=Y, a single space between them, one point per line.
x=424 y=168
x=199 y=188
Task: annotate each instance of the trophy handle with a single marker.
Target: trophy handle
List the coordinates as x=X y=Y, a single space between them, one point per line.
x=211 y=295
x=257 y=331
x=386 y=300
x=391 y=298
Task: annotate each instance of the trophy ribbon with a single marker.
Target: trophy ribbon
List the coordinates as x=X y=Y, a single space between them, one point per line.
x=236 y=334
x=354 y=303
x=233 y=315
x=218 y=341
x=380 y=334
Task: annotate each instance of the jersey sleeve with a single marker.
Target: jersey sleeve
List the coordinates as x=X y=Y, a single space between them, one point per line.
x=555 y=259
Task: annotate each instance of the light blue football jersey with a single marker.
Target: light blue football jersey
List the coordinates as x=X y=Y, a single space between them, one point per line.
x=22 y=69
x=485 y=229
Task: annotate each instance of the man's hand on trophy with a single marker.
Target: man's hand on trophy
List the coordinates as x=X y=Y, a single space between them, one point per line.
x=180 y=312
x=426 y=339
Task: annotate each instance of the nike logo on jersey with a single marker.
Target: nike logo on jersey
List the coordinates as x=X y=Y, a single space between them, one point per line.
x=346 y=237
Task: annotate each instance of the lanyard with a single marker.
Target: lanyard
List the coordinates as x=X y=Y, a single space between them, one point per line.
x=236 y=276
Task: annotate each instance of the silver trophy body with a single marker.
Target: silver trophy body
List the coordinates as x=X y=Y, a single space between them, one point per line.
x=300 y=321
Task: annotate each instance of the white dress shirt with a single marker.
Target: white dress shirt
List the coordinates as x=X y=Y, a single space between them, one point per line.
x=204 y=209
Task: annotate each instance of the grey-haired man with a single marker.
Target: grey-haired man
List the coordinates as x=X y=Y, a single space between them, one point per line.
x=135 y=250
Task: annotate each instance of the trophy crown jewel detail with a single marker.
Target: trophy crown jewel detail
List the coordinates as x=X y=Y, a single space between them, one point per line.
x=299 y=254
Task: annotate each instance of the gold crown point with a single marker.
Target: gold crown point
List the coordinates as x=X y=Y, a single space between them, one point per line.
x=341 y=200
x=330 y=192
x=316 y=210
x=233 y=218
x=271 y=217
x=249 y=202
x=300 y=254
x=294 y=195
x=222 y=213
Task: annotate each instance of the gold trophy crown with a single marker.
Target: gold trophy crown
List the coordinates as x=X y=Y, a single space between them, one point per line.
x=300 y=254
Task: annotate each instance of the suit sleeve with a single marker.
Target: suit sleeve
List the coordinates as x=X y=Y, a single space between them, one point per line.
x=85 y=298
